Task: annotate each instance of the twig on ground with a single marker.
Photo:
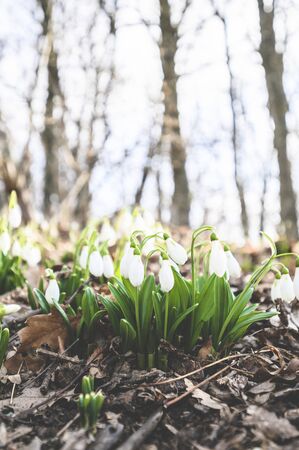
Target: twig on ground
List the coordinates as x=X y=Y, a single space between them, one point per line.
x=136 y=439
x=59 y=356
x=196 y=386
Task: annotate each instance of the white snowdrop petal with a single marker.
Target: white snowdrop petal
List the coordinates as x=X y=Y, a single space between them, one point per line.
x=233 y=267
x=296 y=283
x=31 y=255
x=15 y=216
x=52 y=291
x=176 y=251
x=287 y=288
x=10 y=309
x=16 y=249
x=217 y=263
x=96 y=264
x=136 y=271
x=83 y=257
x=4 y=242
x=126 y=260
x=108 y=267
x=275 y=290
x=166 y=277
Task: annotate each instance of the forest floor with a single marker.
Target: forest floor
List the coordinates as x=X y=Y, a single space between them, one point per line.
x=248 y=399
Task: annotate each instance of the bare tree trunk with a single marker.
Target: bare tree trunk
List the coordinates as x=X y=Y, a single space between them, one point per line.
x=234 y=133
x=53 y=126
x=278 y=107
x=171 y=133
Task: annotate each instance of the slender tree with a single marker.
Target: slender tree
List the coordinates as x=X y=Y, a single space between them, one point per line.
x=171 y=131
x=278 y=106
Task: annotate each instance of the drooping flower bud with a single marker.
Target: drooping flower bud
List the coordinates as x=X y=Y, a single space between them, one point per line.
x=52 y=291
x=218 y=262
x=166 y=277
x=296 y=280
x=275 y=289
x=4 y=242
x=15 y=216
x=136 y=270
x=286 y=286
x=96 y=264
x=176 y=251
x=8 y=309
x=108 y=267
x=233 y=267
x=83 y=258
x=126 y=261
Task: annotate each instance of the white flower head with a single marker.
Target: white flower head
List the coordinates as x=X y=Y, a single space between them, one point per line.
x=296 y=280
x=108 y=267
x=233 y=267
x=15 y=216
x=11 y=309
x=83 y=258
x=176 y=251
x=31 y=254
x=126 y=260
x=217 y=262
x=108 y=233
x=136 y=270
x=52 y=291
x=275 y=289
x=166 y=277
x=16 y=249
x=287 y=287
x=95 y=265
x=4 y=242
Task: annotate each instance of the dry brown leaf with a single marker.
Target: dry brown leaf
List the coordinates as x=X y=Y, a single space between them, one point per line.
x=42 y=329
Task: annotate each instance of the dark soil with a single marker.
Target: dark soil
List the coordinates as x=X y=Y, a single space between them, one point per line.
x=251 y=403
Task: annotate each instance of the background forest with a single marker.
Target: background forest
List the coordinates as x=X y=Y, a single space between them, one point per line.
x=188 y=108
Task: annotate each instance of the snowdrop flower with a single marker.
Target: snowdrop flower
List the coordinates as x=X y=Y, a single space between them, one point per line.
x=4 y=242
x=176 y=251
x=83 y=257
x=96 y=264
x=52 y=291
x=296 y=279
x=275 y=289
x=136 y=270
x=107 y=233
x=166 y=277
x=16 y=249
x=233 y=267
x=15 y=216
x=287 y=287
x=218 y=262
x=31 y=255
x=8 y=309
x=108 y=267
x=126 y=260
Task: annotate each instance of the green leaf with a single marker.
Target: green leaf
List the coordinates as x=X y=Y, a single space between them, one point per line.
x=179 y=320
x=127 y=334
x=45 y=307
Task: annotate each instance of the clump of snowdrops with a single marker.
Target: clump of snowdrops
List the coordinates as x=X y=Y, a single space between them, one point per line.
x=90 y=404
x=180 y=310
x=15 y=248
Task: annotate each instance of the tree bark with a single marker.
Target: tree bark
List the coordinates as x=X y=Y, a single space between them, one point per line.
x=171 y=132
x=53 y=126
x=278 y=107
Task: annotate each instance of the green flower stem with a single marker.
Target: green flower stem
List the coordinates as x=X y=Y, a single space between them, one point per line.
x=151 y=236
x=138 y=319
x=195 y=235
x=166 y=315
